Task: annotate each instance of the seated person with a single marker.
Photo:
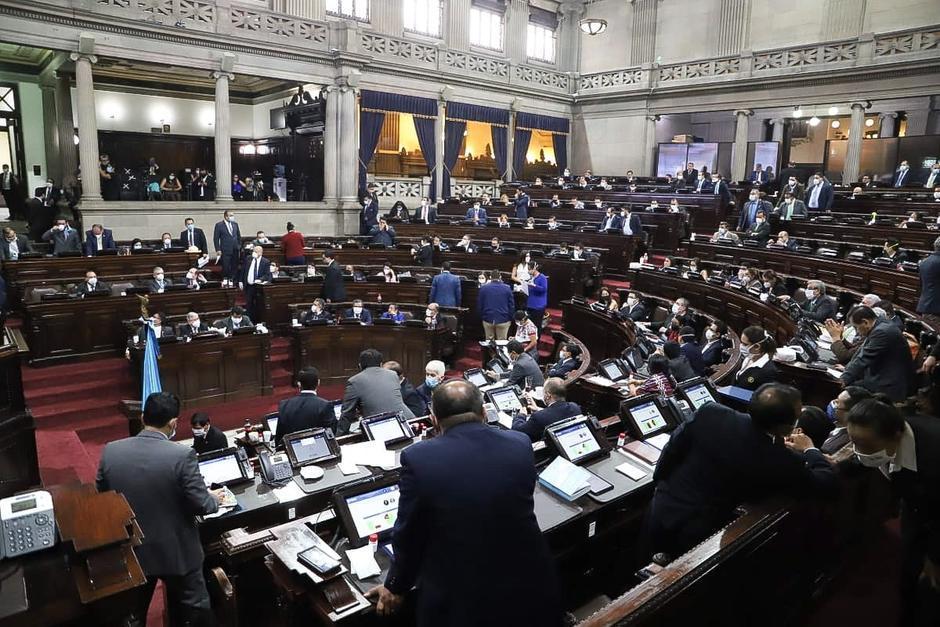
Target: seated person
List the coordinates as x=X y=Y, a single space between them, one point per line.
x=668 y=263
x=739 y=280
x=193 y=326
x=433 y=376
x=307 y=410
x=529 y=223
x=759 y=230
x=503 y=221
x=195 y=279
x=815 y=424
x=358 y=312
x=317 y=311
x=206 y=437
x=556 y=408
x=783 y=241
x=818 y=306
x=892 y=250
x=383 y=234
x=465 y=245
x=568 y=361
x=679 y=317
x=679 y=366
x=695 y=269
x=392 y=313
x=772 y=284
x=476 y=214
x=675 y=208
x=13 y=245
x=913 y=218
x=634 y=308
x=691 y=351
x=659 y=381
x=791 y=207
x=166 y=242
x=399 y=212
x=159 y=282
x=409 y=394
x=611 y=221
x=524 y=372
x=439 y=244
x=356 y=275
x=604 y=184
x=553 y=223
x=724 y=234
x=237 y=319
x=554 y=203
x=91 y=285
x=757 y=367
x=485 y=200
x=96 y=239
x=607 y=301
x=715 y=343
x=276 y=271
x=653 y=206
x=577 y=204
x=561 y=251
x=159 y=330
x=432 y=316
x=496 y=246
x=578 y=253
x=388 y=274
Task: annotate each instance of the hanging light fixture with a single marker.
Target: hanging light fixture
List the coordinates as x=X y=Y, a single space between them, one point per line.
x=593 y=26
x=814 y=121
x=797 y=111
x=833 y=110
x=836 y=124
x=869 y=122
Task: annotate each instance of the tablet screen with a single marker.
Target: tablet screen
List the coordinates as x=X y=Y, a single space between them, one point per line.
x=477 y=378
x=310 y=448
x=220 y=470
x=506 y=400
x=698 y=395
x=611 y=371
x=375 y=511
x=648 y=418
x=577 y=441
x=386 y=429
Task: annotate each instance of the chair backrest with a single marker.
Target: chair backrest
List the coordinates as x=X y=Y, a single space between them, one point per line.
x=449 y=321
x=659 y=316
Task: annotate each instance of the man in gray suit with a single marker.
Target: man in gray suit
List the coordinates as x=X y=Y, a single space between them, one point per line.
x=883 y=362
x=64 y=238
x=162 y=484
x=523 y=367
x=375 y=390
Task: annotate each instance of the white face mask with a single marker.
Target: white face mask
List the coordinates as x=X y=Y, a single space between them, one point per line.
x=759 y=220
x=428 y=313
x=874 y=460
x=817 y=181
x=255 y=255
x=198 y=433
x=753 y=196
x=792 y=181
x=675 y=308
x=936 y=195
x=767 y=284
x=357 y=310
x=92 y=281
x=236 y=320
x=158 y=276
x=195 y=323
x=190 y=276
x=745 y=350
x=904 y=167
x=167 y=242
x=722 y=230
x=631 y=301
x=710 y=335
x=810 y=294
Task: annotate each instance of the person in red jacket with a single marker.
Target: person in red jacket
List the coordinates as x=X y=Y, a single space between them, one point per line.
x=293 y=244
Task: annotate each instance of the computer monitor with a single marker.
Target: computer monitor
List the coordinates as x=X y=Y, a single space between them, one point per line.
x=505 y=399
x=646 y=416
x=613 y=369
x=271 y=421
x=697 y=392
x=366 y=508
x=311 y=446
x=221 y=467
x=390 y=427
x=576 y=440
x=476 y=377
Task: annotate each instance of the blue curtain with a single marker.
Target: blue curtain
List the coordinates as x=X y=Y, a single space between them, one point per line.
x=424 y=128
x=560 y=144
x=519 y=149
x=500 y=136
x=401 y=103
x=370 y=128
x=477 y=113
x=453 y=139
x=542 y=122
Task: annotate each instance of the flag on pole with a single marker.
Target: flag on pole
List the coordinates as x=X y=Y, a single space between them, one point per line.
x=151 y=369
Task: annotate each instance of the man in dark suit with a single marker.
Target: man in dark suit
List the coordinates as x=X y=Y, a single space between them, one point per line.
x=524 y=367
x=757 y=176
x=929 y=271
x=759 y=229
x=426 y=213
x=409 y=394
x=883 y=362
x=819 y=194
x=818 y=306
x=159 y=281
x=521 y=205
x=722 y=458
x=98 y=239
x=721 y=190
x=750 y=209
x=237 y=319
x=13 y=245
x=369 y=217
x=63 y=237
x=634 y=308
x=383 y=234
x=679 y=366
x=257 y=272
x=316 y=312
x=791 y=207
x=227 y=239
x=306 y=410
x=690 y=176
x=903 y=177
x=714 y=346
x=630 y=222
x=91 y=285
x=556 y=408
x=476 y=214
x=333 y=289
x=358 y=312
x=49 y=195
x=569 y=360
x=374 y=390
x=611 y=221
x=838 y=411
x=466 y=515
x=704 y=184
x=690 y=350
x=193 y=326
x=907 y=452
x=445 y=288
x=423 y=254
x=194 y=237
x=162 y=484
x=10 y=188
x=792 y=185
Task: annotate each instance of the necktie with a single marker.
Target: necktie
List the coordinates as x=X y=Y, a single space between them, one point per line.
x=191 y=238
x=14 y=251
x=228 y=225
x=814 y=197
x=716 y=188
x=900 y=179
x=251 y=272
x=932 y=180
x=789 y=210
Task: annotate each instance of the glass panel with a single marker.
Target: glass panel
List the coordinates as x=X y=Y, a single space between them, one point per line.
x=764 y=153
x=703 y=154
x=671 y=158
x=7 y=99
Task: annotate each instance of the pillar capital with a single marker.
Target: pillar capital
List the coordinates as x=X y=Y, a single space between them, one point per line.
x=859 y=105
x=571 y=9
x=218 y=75
x=80 y=56
x=776 y=121
x=888 y=115
x=743 y=112
x=653 y=118
x=446 y=94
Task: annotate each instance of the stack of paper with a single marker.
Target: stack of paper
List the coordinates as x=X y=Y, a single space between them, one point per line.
x=568 y=481
x=362 y=562
x=372 y=453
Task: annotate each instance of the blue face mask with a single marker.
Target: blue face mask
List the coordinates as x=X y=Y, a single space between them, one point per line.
x=431 y=382
x=831 y=410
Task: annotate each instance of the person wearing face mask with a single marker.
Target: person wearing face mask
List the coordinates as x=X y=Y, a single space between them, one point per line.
x=577 y=204
x=819 y=195
x=227 y=239
x=91 y=285
x=171 y=188
x=383 y=234
x=193 y=237
x=195 y=279
x=674 y=206
x=933 y=177
x=783 y=241
x=521 y=204
x=423 y=254
x=432 y=316
x=307 y=410
x=257 y=272
x=49 y=195
x=714 y=345
x=555 y=202
x=166 y=242
x=867 y=182
x=794 y=187
x=64 y=238
x=751 y=208
x=162 y=484
x=445 y=288
x=409 y=393
x=630 y=223
x=679 y=316
x=757 y=352
x=791 y=207
x=466 y=245
x=524 y=368
x=13 y=245
x=704 y=184
x=316 y=312
x=260 y=239
x=160 y=330
x=759 y=231
x=903 y=176
x=532 y=421
x=691 y=350
x=358 y=312
x=426 y=213
x=237 y=319
x=97 y=239
x=529 y=224
x=205 y=436
x=611 y=222
x=193 y=326
x=495 y=245
x=690 y=175
x=159 y=282
x=836 y=412
x=433 y=377
x=883 y=361
x=817 y=305
x=569 y=360
x=724 y=234
x=906 y=450
x=634 y=309
x=772 y=284
x=606 y=301
x=388 y=274
x=503 y=222
x=476 y=214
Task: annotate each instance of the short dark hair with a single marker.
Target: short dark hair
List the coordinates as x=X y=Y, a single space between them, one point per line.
x=238 y=310
x=395 y=367
x=515 y=346
x=329 y=254
x=200 y=418
x=861 y=312
x=445 y=266
x=520 y=315
x=659 y=364
x=882 y=418
x=856 y=394
x=308 y=378
x=369 y=358
x=160 y=408
x=686 y=333
x=290 y=226
x=671 y=349
x=814 y=423
x=573 y=349
x=774 y=405
x=456 y=398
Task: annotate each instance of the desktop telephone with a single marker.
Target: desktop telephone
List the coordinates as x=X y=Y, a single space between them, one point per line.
x=27 y=523
x=275 y=467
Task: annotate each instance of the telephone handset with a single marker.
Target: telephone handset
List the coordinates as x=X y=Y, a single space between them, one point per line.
x=247 y=469
x=275 y=467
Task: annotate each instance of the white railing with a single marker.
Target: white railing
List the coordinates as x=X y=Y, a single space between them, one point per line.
x=391 y=189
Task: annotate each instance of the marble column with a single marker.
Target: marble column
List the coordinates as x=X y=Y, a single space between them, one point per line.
x=87 y=126
x=457 y=24
x=330 y=143
x=387 y=17
x=888 y=124
x=348 y=142
x=853 y=149
x=733 y=27
x=569 y=41
x=223 y=138
x=643 y=39
x=65 y=125
x=739 y=154
x=50 y=129
x=509 y=175
x=649 y=154
x=439 y=126
x=515 y=31
x=777 y=125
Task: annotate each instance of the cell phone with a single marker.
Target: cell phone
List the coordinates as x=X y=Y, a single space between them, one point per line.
x=318 y=561
x=598 y=485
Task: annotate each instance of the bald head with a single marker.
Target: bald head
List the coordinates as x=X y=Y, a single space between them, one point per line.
x=455 y=402
x=555 y=388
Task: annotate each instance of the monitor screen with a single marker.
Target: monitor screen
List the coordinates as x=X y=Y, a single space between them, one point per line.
x=387 y=429
x=506 y=400
x=272 y=423
x=611 y=370
x=310 y=448
x=338 y=409
x=220 y=470
x=648 y=418
x=698 y=395
x=477 y=378
x=375 y=511
x=577 y=441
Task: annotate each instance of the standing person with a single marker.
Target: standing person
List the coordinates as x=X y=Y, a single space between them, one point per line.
x=110 y=182
x=496 y=306
x=369 y=216
x=466 y=515
x=374 y=390
x=929 y=304
x=162 y=484
x=292 y=243
x=538 y=295
x=10 y=188
x=227 y=240
x=819 y=194
x=521 y=205
x=64 y=238
x=257 y=271
x=445 y=288
x=194 y=237
x=333 y=289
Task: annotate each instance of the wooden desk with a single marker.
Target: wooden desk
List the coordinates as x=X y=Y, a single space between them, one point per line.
x=214 y=370
x=19 y=463
x=61 y=268
x=68 y=329
x=875 y=235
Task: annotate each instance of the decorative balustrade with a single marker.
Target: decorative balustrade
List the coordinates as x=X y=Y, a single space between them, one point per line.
x=411 y=190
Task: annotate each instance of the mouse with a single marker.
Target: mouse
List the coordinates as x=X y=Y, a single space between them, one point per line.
x=312 y=473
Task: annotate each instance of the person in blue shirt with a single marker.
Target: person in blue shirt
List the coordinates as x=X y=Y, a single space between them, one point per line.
x=393 y=314
x=445 y=288
x=691 y=350
x=496 y=306
x=538 y=295
x=360 y=313
x=476 y=214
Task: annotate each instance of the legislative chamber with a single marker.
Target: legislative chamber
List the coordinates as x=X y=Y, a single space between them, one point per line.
x=469 y=312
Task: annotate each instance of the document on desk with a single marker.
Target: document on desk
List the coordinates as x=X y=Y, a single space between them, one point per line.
x=362 y=562
x=288 y=493
x=568 y=481
x=229 y=502
x=599 y=380
x=504 y=419
x=834 y=373
x=348 y=468
x=659 y=441
x=372 y=453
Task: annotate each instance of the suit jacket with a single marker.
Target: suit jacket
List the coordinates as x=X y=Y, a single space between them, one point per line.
x=445 y=290
x=561 y=369
x=799 y=209
x=721 y=190
x=904 y=179
x=186 y=329
x=309 y=316
x=614 y=222
x=521 y=206
x=882 y=363
x=756 y=376
x=820 y=308
x=49 y=196
x=749 y=212
x=920 y=491
x=304 y=411
x=22 y=245
x=525 y=366
x=474 y=487
x=431 y=217
x=262 y=271
x=63 y=241
x=534 y=425
x=414 y=401
x=797 y=190
x=333 y=288
x=929 y=272
x=162 y=484
x=690 y=177
x=370 y=214
x=213 y=440
x=424 y=255
x=681 y=369
x=835 y=441
x=228 y=323
x=495 y=302
x=373 y=391
x=712 y=353
x=481 y=218
x=199 y=240
x=825 y=197
x=635 y=225
x=365 y=316
x=225 y=242
x=154 y=286
x=91 y=242
x=637 y=313
x=758 y=176
x=693 y=353
x=84 y=288
x=760 y=232
x=716 y=461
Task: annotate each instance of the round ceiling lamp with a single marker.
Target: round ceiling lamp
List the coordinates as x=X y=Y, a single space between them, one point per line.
x=833 y=110
x=836 y=124
x=870 y=122
x=798 y=111
x=593 y=26
x=814 y=121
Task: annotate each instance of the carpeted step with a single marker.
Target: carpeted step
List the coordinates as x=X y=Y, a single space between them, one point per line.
x=100 y=368
x=73 y=414
x=39 y=395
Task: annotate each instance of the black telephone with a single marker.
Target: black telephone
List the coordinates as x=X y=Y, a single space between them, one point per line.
x=275 y=467
x=247 y=469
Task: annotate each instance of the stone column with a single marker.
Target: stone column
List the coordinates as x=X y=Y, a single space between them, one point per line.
x=569 y=40
x=439 y=126
x=643 y=40
x=311 y=9
x=68 y=153
x=853 y=149
x=457 y=24
x=50 y=130
x=330 y=144
x=734 y=18
x=516 y=29
x=87 y=126
x=739 y=154
x=348 y=149
x=649 y=155
x=511 y=140
x=387 y=17
x=223 y=139
x=888 y=124
x=777 y=126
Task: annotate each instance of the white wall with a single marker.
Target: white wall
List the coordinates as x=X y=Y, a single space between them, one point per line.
x=34 y=147
x=609 y=145
x=611 y=49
